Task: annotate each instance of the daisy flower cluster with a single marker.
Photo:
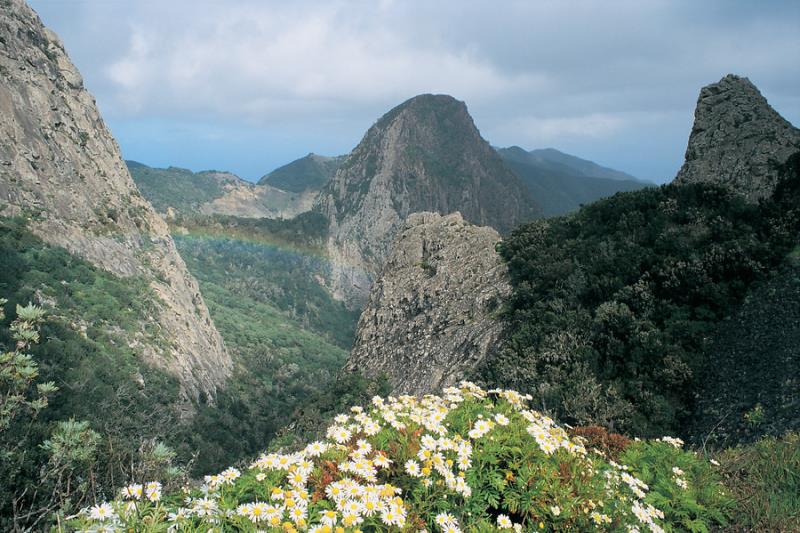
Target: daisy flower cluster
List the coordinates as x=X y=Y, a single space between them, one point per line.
x=408 y=464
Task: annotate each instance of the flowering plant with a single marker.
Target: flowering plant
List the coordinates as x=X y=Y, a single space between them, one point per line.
x=469 y=460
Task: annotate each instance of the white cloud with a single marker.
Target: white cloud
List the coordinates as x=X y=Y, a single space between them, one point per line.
x=614 y=78
x=261 y=62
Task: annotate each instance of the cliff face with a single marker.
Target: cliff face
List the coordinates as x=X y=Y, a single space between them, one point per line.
x=738 y=139
x=424 y=155
x=430 y=317
x=61 y=168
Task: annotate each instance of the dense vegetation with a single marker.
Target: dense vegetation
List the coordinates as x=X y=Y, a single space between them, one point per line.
x=614 y=307
x=106 y=397
x=469 y=460
x=284 y=354
x=289 y=337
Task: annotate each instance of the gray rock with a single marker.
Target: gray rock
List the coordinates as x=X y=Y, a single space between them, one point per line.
x=737 y=140
x=430 y=316
x=62 y=169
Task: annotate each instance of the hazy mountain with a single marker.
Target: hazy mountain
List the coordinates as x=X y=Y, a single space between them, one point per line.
x=424 y=155
x=552 y=159
x=311 y=172
x=562 y=183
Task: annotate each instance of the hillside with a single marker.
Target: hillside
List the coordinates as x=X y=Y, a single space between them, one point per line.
x=311 y=172
x=179 y=191
x=562 y=183
x=424 y=155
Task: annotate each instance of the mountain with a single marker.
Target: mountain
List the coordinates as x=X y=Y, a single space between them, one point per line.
x=424 y=155
x=430 y=317
x=641 y=312
x=311 y=172
x=562 y=183
x=559 y=162
x=737 y=139
x=177 y=191
x=61 y=171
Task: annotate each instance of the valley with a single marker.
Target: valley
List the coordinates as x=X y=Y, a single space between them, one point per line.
x=428 y=333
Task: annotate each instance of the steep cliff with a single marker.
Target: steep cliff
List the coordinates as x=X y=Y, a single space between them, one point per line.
x=424 y=155
x=430 y=317
x=61 y=168
x=737 y=139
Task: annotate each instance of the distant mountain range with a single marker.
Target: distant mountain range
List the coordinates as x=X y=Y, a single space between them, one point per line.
x=561 y=182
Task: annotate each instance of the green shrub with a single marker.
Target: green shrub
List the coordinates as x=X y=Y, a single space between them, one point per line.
x=469 y=460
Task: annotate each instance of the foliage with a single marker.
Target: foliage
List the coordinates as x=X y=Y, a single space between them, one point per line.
x=104 y=387
x=764 y=479
x=666 y=468
x=613 y=307
x=470 y=460
x=289 y=337
x=18 y=370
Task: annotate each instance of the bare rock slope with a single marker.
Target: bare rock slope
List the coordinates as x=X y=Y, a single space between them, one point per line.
x=61 y=168
x=738 y=139
x=430 y=316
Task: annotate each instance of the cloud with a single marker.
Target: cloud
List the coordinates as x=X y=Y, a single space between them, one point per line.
x=261 y=62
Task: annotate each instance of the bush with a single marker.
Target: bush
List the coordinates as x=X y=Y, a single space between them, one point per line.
x=614 y=307
x=469 y=460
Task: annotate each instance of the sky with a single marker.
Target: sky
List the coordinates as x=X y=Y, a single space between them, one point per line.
x=246 y=85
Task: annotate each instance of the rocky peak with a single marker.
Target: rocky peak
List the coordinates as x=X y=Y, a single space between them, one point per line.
x=430 y=316
x=737 y=139
x=61 y=168
x=424 y=155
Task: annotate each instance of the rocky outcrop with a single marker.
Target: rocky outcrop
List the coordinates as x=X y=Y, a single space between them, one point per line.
x=259 y=201
x=430 y=318
x=424 y=155
x=737 y=140
x=61 y=168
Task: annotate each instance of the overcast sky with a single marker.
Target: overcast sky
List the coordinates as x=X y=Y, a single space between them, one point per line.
x=247 y=86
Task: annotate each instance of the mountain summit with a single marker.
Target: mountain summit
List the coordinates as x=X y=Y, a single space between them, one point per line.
x=737 y=139
x=424 y=155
